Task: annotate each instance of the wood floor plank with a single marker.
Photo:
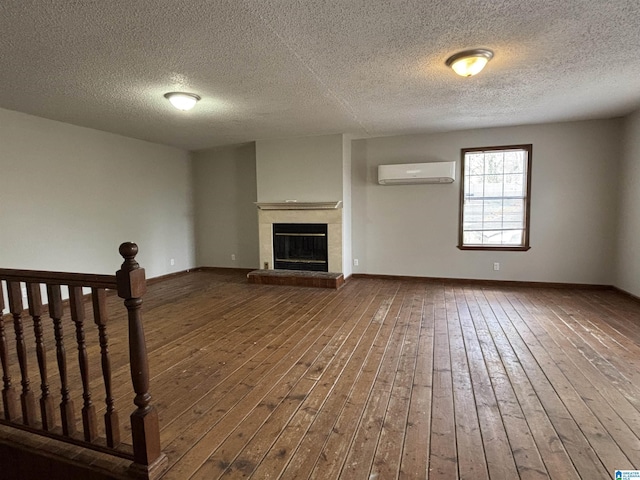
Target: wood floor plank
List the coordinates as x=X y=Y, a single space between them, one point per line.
x=388 y=454
x=550 y=386
x=586 y=386
x=443 y=453
x=556 y=459
x=328 y=375
x=621 y=352
x=299 y=446
x=468 y=435
x=615 y=356
x=523 y=447
x=415 y=454
x=499 y=456
x=296 y=362
x=619 y=310
x=236 y=346
x=359 y=456
x=381 y=379
x=248 y=372
x=339 y=425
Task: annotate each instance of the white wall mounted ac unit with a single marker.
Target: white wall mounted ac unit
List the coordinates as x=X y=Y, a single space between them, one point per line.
x=412 y=173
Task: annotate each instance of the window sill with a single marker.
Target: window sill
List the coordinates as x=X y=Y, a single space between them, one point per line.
x=495 y=248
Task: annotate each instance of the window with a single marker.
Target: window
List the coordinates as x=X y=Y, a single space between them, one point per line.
x=495 y=198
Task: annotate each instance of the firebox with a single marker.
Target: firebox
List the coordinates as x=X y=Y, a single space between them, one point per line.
x=300 y=246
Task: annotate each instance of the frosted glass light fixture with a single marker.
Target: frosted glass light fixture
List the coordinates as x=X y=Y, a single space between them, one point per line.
x=182 y=100
x=469 y=62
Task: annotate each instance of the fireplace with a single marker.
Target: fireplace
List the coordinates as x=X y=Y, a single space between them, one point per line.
x=300 y=246
x=325 y=213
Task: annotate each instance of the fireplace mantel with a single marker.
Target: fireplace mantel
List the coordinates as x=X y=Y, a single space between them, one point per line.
x=299 y=205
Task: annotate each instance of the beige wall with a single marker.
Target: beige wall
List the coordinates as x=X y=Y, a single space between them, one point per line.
x=71 y=195
x=413 y=229
x=307 y=169
x=226 y=217
x=80 y=192
x=347 y=258
x=628 y=245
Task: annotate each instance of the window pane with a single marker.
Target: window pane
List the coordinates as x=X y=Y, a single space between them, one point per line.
x=472 y=238
x=513 y=214
x=473 y=214
x=493 y=185
x=514 y=162
x=494 y=163
x=512 y=237
x=494 y=210
x=512 y=222
x=476 y=164
x=514 y=185
x=474 y=186
x=490 y=237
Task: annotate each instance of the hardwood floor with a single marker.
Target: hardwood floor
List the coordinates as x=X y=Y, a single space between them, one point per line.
x=387 y=379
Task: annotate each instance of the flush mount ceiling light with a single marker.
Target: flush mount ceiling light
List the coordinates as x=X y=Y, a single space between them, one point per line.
x=469 y=62
x=182 y=100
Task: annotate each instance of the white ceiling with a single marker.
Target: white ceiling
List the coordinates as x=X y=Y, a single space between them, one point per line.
x=284 y=68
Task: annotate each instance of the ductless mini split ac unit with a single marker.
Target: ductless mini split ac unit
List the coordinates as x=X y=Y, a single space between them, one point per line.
x=412 y=173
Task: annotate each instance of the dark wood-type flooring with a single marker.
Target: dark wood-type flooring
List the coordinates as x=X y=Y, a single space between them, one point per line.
x=383 y=379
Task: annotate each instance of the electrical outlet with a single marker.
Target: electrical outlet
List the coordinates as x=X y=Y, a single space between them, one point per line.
x=172 y=261
x=496 y=266
x=355 y=262
x=266 y=265
x=233 y=256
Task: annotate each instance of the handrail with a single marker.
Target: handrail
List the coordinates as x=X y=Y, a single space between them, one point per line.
x=59 y=278
x=19 y=400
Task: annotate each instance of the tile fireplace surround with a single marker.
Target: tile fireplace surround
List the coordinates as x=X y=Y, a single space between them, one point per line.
x=301 y=212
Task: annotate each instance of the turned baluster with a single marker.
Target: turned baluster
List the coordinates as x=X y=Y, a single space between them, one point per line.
x=111 y=422
x=46 y=400
x=8 y=393
x=67 y=415
x=144 y=420
x=89 y=422
x=27 y=399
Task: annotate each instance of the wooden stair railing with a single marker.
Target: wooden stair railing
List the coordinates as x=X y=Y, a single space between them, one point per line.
x=19 y=403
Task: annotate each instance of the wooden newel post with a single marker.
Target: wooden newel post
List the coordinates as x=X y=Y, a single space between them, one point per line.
x=149 y=461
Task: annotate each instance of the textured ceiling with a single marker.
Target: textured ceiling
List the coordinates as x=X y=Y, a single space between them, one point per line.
x=284 y=68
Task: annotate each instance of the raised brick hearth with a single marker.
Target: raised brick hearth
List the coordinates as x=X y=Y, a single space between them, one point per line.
x=297 y=278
